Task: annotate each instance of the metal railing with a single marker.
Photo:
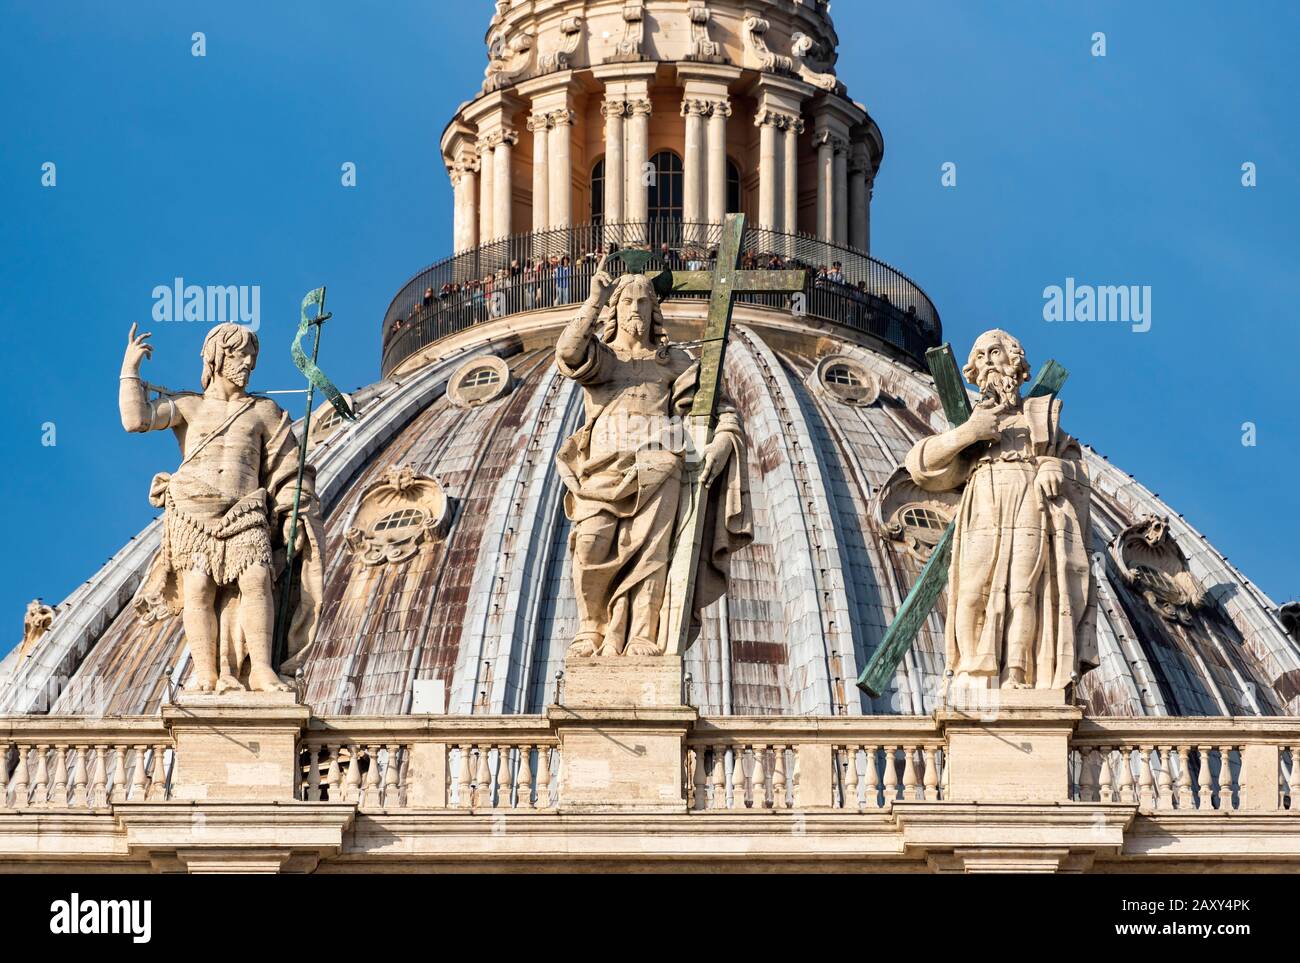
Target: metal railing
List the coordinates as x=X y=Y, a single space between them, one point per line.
x=502 y=278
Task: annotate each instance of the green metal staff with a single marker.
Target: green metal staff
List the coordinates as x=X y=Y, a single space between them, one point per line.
x=315 y=379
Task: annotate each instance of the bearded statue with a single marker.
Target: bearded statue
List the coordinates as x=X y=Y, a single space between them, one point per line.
x=1021 y=603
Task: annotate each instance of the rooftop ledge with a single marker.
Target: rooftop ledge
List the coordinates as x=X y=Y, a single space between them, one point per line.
x=502 y=278
x=254 y=788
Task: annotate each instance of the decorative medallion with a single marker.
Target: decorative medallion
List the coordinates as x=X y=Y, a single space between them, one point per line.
x=1151 y=561
x=479 y=381
x=396 y=515
x=847 y=380
x=913 y=516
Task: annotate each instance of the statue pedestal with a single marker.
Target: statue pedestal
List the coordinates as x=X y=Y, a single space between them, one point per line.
x=1008 y=745
x=237 y=747
x=622 y=728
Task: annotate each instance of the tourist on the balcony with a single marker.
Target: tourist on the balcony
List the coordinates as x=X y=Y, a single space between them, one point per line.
x=563 y=271
x=836 y=275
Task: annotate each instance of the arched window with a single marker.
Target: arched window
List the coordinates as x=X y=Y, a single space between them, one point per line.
x=665 y=193
x=598 y=192
x=733 y=187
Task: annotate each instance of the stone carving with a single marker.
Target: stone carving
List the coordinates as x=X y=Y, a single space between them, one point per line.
x=479 y=381
x=629 y=48
x=1151 y=561
x=36 y=622
x=508 y=61
x=1021 y=605
x=755 y=30
x=561 y=58
x=846 y=380
x=803 y=49
x=913 y=517
x=624 y=467
x=702 y=48
x=396 y=515
x=226 y=514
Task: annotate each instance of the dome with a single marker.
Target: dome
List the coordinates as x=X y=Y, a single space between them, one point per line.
x=457 y=588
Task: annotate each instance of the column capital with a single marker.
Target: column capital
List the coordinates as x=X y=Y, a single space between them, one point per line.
x=778 y=119
x=823 y=138
x=561 y=118
x=613 y=108
x=504 y=135
x=538 y=121
x=696 y=106
x=640 y=108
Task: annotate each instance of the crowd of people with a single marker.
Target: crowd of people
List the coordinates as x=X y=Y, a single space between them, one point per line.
x=543 y=282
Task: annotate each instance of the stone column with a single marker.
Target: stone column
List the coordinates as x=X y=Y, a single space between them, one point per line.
x=638 y=153
x=464 y=181
x=717 y=163
x=485 y=201
x=790 y=173
x=769 y=169
x=539 y=125
x=561 y=168
x=841 y=193
x=503 y=194
x=693 y=161
x=825 y=144
x=615 y=175
x=859 y=197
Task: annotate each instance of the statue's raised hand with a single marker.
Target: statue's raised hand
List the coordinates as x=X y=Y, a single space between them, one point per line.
x=137 y=349
x=602 y=283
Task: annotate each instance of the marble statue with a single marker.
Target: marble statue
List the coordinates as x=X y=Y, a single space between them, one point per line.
x=226 y=517
x=36 y=622
x=623 y=470
x=1021 y=605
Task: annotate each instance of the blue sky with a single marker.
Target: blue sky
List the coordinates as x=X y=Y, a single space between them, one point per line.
x=225 y=169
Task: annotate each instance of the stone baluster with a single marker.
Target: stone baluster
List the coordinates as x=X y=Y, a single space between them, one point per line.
x=871 y=791
x=392 y=778
x=1204 y=787
x=524 y=784
x=891 y=776
x=1225 y=778
x=158 y=775
x=312 y=792
x=333 y=775
x=1104 y=777
x=1164 y=786
x=931 y=775
x=758 y=777
x=778 y=777
x=1126 y=793
x=850 y=778
x=99 y=782
x=373 y=798
x=737 y=777
x=21 y=775
x=505 y=785
x=1293 y=779
x=1146 y=779
x=1183 y=800
x=138 y=784
x=482 y=797
x=719 y=777
x=119 y=775
x=909 y=773
x=1086 y=786
x=59 y=790
x=691 y=763
x=80 y=777
x=543 y=777
x=352 y=787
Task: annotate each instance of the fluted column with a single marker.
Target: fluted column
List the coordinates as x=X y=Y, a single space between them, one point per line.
x=561 y=168
x=693 y=161
x=717 y=163
x=464 y=181
x=769 y=169
x=790 y=174
x=638 y=153
x=841 y=193
x=503 y=194
x=825 y=144
x=539 y=126
x=615 y=175
x=859 y=197
x=487 y=170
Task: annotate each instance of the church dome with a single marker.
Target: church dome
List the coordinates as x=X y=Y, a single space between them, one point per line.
x=447 y=584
